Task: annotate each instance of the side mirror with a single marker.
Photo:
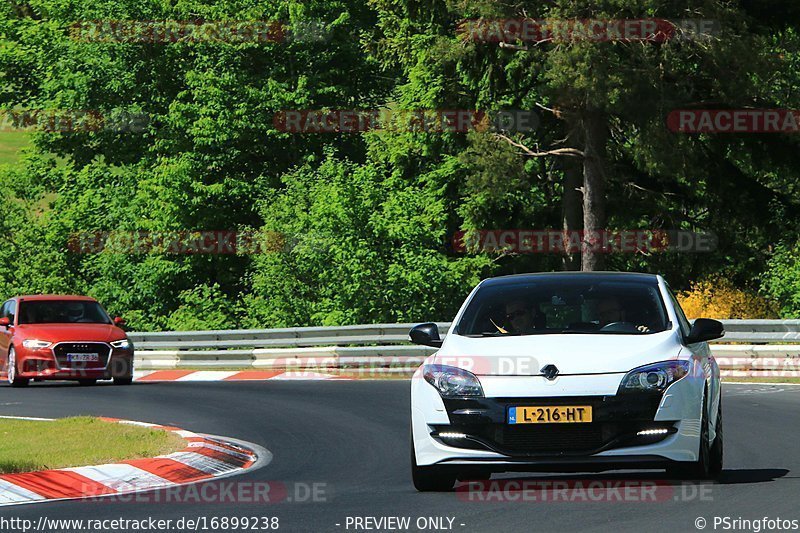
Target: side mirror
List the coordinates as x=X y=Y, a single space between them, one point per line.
x=119 y=321
x=5 y=322
x=705 y=329
x=426 y=334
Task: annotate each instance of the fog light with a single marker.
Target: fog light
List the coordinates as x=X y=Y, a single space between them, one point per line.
x=451 y=435
x=650 y=432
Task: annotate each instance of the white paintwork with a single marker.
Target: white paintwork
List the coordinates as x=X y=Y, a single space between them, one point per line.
x=602 y=359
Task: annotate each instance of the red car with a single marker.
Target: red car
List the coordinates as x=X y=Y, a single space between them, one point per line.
x=64 y=338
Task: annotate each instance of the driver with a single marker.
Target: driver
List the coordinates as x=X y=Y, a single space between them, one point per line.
x=75 y=312
x=520 y=317
x=610 y=311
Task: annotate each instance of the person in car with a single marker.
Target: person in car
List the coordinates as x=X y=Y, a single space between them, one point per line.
x=610 y=310
x=522 y=318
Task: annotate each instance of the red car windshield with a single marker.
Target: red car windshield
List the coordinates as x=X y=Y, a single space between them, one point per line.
x=62 y=312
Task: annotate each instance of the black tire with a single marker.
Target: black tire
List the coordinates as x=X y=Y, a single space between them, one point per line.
x=87 y=382
x=12 y=371
x=430 y=478
x=123 y=380
x=702 y=468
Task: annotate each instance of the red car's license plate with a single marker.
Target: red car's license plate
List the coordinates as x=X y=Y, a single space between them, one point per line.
x=83 y=357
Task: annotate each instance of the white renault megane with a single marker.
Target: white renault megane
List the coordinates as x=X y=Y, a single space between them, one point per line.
x=566 y=372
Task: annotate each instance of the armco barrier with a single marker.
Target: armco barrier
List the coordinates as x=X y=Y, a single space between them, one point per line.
x=387 y=346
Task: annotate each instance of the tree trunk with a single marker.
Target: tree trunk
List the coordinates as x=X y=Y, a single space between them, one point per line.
x=594 y=185
x=571 y=210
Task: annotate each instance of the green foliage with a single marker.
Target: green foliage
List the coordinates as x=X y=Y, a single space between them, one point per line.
x=781 y=281
x=362 y=246
x=367 y=219
x=202 y=308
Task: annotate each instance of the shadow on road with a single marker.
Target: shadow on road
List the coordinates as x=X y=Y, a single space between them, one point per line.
x=728 y=477
x=752 y=475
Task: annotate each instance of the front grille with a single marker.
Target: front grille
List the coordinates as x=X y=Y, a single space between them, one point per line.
x=62 y=350
x=534 y=438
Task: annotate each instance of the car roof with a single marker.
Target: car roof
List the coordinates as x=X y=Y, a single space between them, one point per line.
x=56 y=297
x=561 y=276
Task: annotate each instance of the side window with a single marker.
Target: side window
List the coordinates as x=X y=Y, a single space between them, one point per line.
x=4 y=310
x=683 y=322
x=11 y=310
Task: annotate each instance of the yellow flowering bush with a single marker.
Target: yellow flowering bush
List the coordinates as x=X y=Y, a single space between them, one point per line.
x=717 y=297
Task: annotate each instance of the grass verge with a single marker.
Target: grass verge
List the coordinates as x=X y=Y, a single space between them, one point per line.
x=28 y=445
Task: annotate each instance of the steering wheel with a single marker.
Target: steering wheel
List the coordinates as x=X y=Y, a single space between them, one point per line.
x=622 y=327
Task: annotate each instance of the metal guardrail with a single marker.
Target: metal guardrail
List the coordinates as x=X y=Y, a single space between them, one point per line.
x=736 y=331
x=386 y=346
x=378 y=334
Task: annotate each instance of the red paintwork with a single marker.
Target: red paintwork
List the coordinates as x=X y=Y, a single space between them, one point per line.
x=44 y=358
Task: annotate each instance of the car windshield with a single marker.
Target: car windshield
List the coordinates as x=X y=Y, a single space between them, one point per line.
x=565 y=306
x=62 y=312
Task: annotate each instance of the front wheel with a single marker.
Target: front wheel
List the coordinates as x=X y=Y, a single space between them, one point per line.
x=709 y=464
x=430 y=478
x=717 y=449
x=123 y=381
x=11 y=370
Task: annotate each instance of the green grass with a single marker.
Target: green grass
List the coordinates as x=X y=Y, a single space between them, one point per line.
x=27 y=446
x=11 y=142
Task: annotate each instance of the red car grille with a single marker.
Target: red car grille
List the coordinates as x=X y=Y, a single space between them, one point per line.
x=69 y=354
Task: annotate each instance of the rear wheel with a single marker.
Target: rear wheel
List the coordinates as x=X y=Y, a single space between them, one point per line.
x=123 y=381
x=12 y=374
x=430 y=478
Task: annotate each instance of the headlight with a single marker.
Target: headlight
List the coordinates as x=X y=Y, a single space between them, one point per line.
x=654 y=378
x=452 y=382
x=35 y=344
x=124 y=343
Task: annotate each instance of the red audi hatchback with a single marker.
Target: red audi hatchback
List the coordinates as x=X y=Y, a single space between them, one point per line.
x=64 y=338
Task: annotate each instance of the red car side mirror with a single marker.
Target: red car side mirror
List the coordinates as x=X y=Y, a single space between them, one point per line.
x=118 y=321
x=5 y=322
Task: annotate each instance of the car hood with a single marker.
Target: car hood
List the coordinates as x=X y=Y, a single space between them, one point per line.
x=571 y=354
x=70 y=332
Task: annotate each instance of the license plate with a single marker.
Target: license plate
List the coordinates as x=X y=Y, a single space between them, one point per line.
x=83 y=357
x=551 y=414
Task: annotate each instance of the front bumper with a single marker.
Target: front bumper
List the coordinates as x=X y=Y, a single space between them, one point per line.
x=616 y=423
x=476 y=432
x=43 y=364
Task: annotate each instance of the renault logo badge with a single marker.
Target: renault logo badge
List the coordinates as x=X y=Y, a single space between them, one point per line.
x=550 y=372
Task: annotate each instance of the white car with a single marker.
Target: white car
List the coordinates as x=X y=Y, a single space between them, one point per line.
x=566 y=372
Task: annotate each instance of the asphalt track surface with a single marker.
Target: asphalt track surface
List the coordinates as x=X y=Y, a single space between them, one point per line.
x=352 y=437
